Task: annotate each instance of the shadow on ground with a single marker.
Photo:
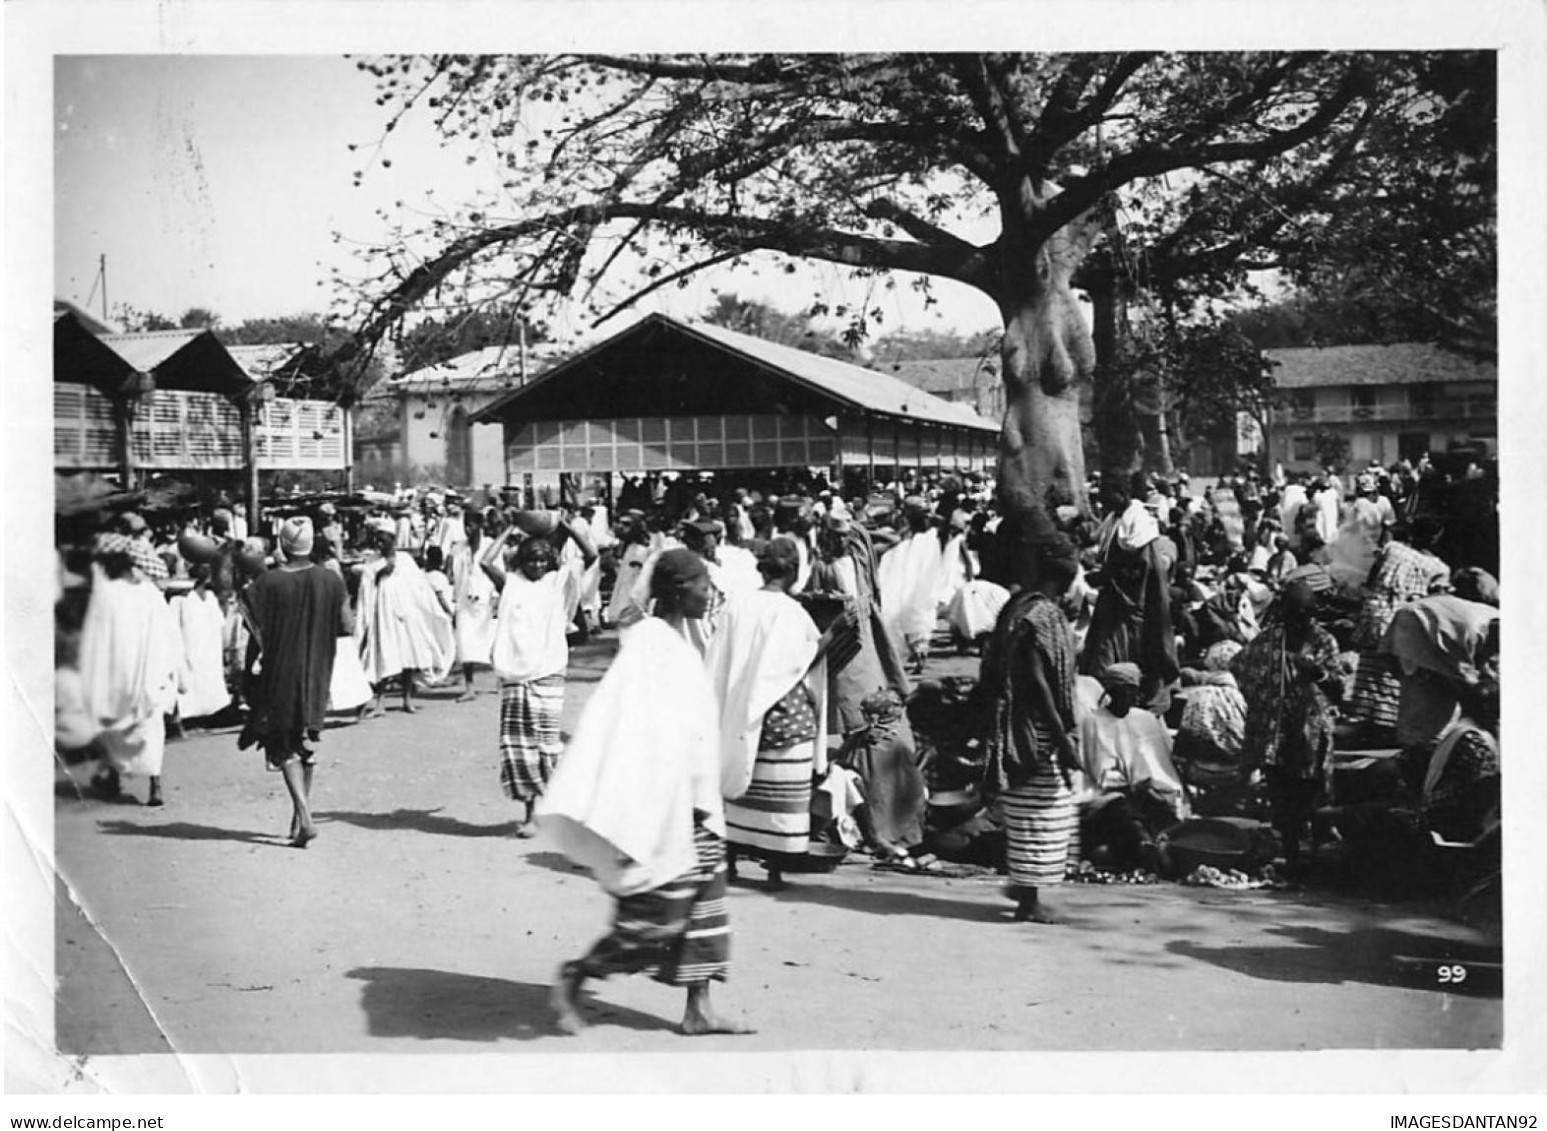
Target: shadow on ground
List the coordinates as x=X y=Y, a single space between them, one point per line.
x=980 y=907
x=1378 y=956
x=419 y=820
x=555 y=862
x=186 y=830
x=441 y=1005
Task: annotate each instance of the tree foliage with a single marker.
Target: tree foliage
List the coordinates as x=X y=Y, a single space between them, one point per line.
x=763 y=320
x=1181 y=171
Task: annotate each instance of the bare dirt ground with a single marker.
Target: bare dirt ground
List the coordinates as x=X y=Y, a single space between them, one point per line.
x=418 y=923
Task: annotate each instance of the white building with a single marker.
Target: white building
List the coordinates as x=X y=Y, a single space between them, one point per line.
x=435 y=438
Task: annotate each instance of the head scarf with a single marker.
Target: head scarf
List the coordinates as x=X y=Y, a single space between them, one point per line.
x=296 y=537
x=137 y=550
x=1120 y=675
x=1220 y=655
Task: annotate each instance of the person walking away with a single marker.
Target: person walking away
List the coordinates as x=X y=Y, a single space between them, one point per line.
x=296 y=614
x=1027 y=683
x=1132 y=618
x=1285 y=674
x=531 y=653
x=764 y=662
x=131 y=660
x=637 y=801
x=909 y=578
x=475 y=600
x=348 y=690
x=201 y=624
x=1405 y=570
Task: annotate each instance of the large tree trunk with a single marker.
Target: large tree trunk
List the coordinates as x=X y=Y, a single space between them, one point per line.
x=1150 y=415
x=1113 y=419
x=1047 y=356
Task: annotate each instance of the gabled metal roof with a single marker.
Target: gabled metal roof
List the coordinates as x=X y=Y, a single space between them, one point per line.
x=853 y=387
x=182 y=359
x=148 y=348
x=490 y=369
x=865 y=389
x=261 y=361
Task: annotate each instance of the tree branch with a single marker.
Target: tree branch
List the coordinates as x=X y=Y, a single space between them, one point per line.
x=1061 y=124
x=666 y=280
x=735 y=234
x=1084 y=192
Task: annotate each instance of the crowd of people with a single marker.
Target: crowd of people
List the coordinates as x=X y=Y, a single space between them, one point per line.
x=1164 y=656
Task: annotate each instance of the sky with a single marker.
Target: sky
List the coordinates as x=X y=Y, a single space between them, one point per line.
x=215 y=181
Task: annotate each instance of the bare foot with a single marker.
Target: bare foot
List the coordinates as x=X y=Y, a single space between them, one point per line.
x=699 y=1024
x=525 y=830
x=409 y=708
x=376 y=712
x=467 y=697
x=305 y=836
x=1036 y=913
x=564 y=999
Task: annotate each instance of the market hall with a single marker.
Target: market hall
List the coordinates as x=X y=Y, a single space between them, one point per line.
x=665 y=396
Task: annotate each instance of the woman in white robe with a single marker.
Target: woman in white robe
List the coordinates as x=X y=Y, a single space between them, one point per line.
x=636 y=801
x=131 y=662
x=201 y=624
x=476 y=602
x=909 y=578
x=764 y=661
x=400 y=629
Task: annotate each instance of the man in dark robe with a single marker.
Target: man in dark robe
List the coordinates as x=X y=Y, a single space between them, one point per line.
x=296 y=613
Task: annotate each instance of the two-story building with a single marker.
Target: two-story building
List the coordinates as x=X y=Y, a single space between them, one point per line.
x=1389 y=402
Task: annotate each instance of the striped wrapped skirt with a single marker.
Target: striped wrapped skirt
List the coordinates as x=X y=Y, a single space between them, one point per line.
x=529 y=735
x=1041 y=823
x=679 y=933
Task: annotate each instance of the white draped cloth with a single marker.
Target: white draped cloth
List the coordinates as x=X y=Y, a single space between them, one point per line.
x=401 y=625
x=131 y=657
x=529 y=639
x=975 y=608
x=738 y=571
x=1131 y=751
x=590 y=576
x=763 y=647
x=476 y=601
x=201 y=624
x=644 y=756
x=621 y=606
x=909 y=578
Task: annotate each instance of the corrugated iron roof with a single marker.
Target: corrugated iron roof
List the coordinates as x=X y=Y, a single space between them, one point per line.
x=490 y=369
x=866 y=389
x=1402 y=363
x=183 y=359
x=261 y=361
x=944 y=374
x=147 y=349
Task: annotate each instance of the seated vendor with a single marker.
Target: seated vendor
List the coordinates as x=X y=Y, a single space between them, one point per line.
x=1124 y=748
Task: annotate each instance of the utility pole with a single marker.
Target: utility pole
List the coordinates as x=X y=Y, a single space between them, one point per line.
x=102 y=274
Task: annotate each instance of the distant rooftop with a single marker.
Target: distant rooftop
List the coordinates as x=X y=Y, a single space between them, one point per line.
x=1403 y=363
x=491 y=369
